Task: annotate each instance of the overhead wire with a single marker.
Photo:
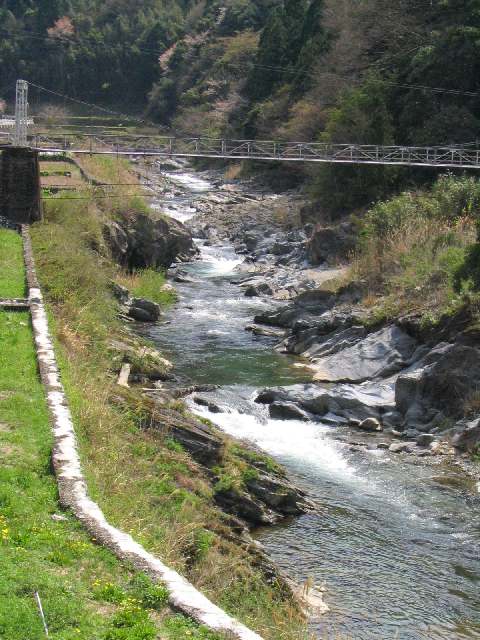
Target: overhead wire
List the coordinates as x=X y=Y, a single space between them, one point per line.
x=116 y=196
x=95 y=106
x=298 y=73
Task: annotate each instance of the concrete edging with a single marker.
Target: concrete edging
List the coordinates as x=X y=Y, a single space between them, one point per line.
x=72 y=487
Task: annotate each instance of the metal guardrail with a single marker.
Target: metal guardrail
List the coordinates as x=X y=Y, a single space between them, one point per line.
x=163 y=146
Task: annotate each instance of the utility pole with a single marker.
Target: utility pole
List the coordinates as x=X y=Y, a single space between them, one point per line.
x=21 y=114
x=20 y=200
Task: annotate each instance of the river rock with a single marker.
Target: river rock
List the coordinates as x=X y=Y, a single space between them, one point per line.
x=287 y=411
x=279 y=494
x=309 y=344
x=143 y=310
x=425 y=439
x=243 y=505
x=379 y=355
x=371 y=425
x=468 y=436
x=338 y=403
x=200 y=440
x=400 y=447
x=139 y=241
x=143 y=361
x=437 y=389
x=256 y=289
x=121 y=293
x=269 y=332
x=183 y=278
x=205 y=402
x=331 y=243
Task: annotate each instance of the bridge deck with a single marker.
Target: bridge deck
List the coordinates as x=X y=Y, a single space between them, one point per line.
x=162 y=146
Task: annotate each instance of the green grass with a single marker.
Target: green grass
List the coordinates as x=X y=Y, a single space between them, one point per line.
x=149 y=284
x=85 y=591
x=12 y=278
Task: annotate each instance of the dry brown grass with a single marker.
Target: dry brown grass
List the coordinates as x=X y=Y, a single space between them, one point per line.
x=233 y=172
x=415 y=264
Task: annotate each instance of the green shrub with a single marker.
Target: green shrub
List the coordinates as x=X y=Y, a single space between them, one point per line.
x=203 y=542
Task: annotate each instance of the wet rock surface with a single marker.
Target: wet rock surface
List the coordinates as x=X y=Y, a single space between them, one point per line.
x=139 y=241
x=378 y=355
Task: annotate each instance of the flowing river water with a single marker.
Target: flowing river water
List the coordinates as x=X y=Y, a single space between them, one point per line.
x=395 y=540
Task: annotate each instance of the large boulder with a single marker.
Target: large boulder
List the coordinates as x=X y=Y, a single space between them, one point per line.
x=467 y=437
x=278 y=493
x=144 y=362
x=200 y=440
x=257 y=287
x=379 y=355
x=339 y=403
x=264 y=499
x=138 y=240
x=287 y=411
x=143 y=310
x=331 y=243
x=313 y=345
x=439 y=386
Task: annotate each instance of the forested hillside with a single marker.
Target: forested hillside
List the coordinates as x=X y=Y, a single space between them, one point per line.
x=330 y=70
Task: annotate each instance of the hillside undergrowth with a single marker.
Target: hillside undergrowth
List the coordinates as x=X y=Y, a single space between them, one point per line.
x=416 y=252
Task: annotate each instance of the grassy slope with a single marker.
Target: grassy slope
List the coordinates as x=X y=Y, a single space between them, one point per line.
x=86 y=593
x=414 y=249
x=12 y=280
x=144 y=482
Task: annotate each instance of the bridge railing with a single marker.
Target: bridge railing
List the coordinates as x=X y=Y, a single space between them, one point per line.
x=168 y=146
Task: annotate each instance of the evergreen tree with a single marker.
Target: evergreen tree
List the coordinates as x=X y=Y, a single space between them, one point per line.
x=48 y=11
x=315 y=41
x=294 y=19
x=272 y=55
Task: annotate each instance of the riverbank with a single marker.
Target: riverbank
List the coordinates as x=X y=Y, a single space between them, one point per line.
x=136 y=450
x=383 y=510
x=83 y=588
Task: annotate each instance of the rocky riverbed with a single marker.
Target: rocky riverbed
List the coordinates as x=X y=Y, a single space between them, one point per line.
x=367 y=418
x=416 y=384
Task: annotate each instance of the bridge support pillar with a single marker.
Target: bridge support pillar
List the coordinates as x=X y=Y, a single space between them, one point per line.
x=20 y=199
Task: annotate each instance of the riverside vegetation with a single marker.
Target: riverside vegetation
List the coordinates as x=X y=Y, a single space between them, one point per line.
x=85 y=590
x=136 y=466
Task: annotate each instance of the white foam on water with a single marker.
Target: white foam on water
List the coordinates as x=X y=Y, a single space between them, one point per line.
x=180 y=212
x=221 y=260
x=304 y=442
x=188 y=180
x=203 y=313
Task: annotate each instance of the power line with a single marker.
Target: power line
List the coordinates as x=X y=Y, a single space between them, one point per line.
x=105 y=197
x=388 y=82
x=116 y=196
x=298 y=73
x=94 y=106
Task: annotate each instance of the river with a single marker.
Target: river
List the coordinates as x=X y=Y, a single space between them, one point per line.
x=395 y=540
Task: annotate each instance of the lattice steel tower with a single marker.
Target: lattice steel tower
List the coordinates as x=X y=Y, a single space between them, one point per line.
x=21 y=114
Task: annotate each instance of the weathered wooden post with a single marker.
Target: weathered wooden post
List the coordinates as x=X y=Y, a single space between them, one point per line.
x=20 y=200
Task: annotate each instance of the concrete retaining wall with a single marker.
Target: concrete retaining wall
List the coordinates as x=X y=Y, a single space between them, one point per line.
x=20 y=186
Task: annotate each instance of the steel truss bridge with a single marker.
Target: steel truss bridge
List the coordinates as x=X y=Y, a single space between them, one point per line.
x=169 y=146
x=447 y=157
